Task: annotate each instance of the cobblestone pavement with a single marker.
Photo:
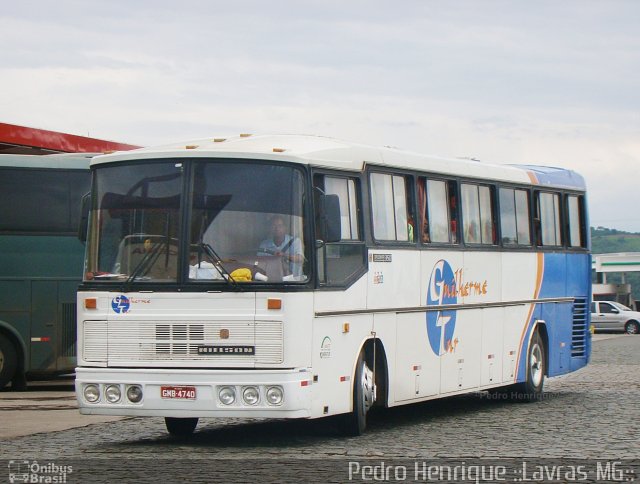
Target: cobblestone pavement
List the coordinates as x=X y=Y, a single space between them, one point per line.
x=45 y=406
x=590 y=414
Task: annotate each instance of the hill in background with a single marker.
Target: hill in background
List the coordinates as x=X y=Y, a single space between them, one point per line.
x=604 y=240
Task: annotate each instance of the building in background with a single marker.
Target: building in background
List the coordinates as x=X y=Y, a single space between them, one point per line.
x=621 y=263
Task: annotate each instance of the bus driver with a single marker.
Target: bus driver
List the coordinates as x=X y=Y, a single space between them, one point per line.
x=282 y=244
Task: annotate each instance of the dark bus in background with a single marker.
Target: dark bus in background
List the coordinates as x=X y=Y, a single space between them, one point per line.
x=41 y=262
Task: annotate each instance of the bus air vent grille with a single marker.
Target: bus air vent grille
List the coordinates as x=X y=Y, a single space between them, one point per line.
x=68 y=330
x=579 y=328
x=155 y=342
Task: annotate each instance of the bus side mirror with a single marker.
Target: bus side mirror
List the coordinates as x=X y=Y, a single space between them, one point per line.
x=330 y=224
x=85 y=205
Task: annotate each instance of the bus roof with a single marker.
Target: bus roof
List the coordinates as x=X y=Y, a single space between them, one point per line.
x=67 y=161
x=552 y=176
x=337 y=154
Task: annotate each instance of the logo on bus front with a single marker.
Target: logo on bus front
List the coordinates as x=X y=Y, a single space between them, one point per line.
x=120 y=304
x=441 y=324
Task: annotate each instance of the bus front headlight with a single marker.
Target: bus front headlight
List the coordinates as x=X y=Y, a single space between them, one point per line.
x=275 y=395
x=91 y=393
x=227 y=395
x=134 y=394
x=113 y=394
x=250 y=395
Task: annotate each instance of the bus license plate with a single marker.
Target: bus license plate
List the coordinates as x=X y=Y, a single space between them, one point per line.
x=185 y=393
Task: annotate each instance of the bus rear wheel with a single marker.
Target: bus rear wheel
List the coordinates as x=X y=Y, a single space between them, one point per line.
x=363 y=398
x=180 y=427
x=8 y=361
x=531 y=388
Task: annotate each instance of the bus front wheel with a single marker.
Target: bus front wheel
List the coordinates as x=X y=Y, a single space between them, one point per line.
x=363 y=398
x=180 y=427
x=8 y=361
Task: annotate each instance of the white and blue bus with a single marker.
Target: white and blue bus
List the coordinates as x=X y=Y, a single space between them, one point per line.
x=304 y=277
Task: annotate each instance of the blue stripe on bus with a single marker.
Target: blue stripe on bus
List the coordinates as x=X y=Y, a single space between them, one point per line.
x=555 y=177
x=565 y=274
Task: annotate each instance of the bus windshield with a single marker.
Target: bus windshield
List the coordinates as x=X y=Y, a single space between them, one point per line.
x=245 y=223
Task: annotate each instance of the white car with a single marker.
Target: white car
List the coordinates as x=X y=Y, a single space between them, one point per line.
x=613 y=316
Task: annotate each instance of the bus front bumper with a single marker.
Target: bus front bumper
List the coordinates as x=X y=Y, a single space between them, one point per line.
x=194 y=393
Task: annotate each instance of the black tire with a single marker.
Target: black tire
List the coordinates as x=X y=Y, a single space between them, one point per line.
x=355 y=422
x=8 y=361
x=531 y=388
x=180 y=427
x=632 y=327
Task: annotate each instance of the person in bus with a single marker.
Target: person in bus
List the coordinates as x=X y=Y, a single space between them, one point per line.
x=410 y=227
x=454 y=219
x=282 y=244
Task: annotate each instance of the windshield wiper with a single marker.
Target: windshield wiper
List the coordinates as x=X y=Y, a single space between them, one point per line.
x=217 y=263
x=146 y=262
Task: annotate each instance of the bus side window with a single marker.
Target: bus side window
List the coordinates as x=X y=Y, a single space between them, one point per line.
x=522 y=217
x=391 y=207
x=423 y=226
x=453 y=211
x=477 y=212
x=44 y=201
x=438 y=211
x=514 y=217
x=547 y=220
x=405 y=196
x=471 y=214
x=339 y=262
x=575 y=221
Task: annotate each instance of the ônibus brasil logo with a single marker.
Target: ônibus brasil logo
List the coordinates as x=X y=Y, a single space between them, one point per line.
x=120 y=304
x=441 y=324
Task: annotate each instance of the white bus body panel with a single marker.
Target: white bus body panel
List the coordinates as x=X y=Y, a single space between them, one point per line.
x=323 y=350
x=136 y=337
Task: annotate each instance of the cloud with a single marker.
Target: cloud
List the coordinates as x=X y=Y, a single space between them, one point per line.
x=516 y=82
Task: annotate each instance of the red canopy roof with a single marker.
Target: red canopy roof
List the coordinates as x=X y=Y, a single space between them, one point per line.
x=24 y=140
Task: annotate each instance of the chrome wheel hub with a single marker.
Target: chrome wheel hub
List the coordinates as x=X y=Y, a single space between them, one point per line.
x=535 y=365
x=368 y=388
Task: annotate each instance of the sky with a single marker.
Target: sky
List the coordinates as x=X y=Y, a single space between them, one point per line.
x=552 y=83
